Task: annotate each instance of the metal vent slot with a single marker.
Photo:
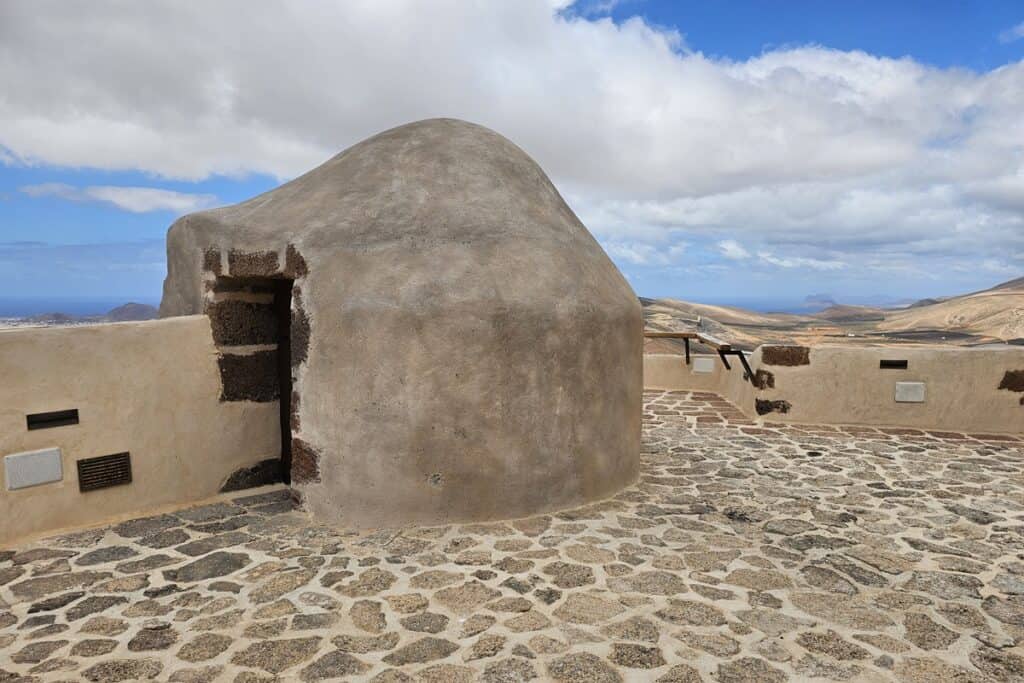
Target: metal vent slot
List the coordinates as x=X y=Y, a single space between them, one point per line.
x=57 y=418
x=892 y=364
x=104 y=471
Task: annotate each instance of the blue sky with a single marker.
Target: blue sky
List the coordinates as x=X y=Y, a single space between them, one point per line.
x=749 y=152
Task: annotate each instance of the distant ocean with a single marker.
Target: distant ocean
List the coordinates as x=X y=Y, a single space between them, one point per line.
x=21 y=308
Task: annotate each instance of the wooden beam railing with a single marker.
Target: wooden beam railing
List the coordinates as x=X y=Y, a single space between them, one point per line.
x=723 y=349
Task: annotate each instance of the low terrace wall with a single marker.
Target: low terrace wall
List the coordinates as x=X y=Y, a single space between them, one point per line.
x=945 y=389
x=151 y=389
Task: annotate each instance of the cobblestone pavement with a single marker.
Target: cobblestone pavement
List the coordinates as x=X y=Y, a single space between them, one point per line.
x=743 y=554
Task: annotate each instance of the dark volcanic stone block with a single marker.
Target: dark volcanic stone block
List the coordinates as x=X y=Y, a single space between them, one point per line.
x=212 y=261
x=250 y=285
x=251 y=377
x=294 y=263
x=299 y=330
x=253 y=263
x=146 y=526
x=764 y=379
x=305 y=463
x=263 y=498
x=764 y=407
x=786 y=355
x=211 y=566
x=1013 y=380
x=262 y=473
x=55 y=602
x=241 y=323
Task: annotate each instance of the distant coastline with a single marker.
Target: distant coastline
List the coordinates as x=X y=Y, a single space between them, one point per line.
x=26 y=307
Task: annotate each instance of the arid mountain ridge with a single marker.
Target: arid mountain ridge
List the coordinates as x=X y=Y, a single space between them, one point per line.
x=991 y=316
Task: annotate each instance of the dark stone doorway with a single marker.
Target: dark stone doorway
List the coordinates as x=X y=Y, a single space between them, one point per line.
x=283 y=313
x=251 y=319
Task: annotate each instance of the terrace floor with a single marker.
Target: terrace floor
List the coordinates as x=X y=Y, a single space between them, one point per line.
x=744 y=554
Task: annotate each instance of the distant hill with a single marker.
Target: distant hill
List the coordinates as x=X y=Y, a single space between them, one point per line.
x=819 y=301
x=995 y=315
x=1013 y=286
x=926 y=302
x=843 y=313
x=130 y=311
x=124 y=313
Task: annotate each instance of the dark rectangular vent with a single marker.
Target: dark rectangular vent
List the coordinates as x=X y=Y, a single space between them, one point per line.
x=104 y=471
x=58 y=418
x=892 y=364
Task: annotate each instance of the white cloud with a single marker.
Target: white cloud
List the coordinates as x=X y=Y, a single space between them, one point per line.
x=799 y=262
x=813 y=156
x=134 y=199
x=733 y=250
x=1012 y=34
x=641 y=254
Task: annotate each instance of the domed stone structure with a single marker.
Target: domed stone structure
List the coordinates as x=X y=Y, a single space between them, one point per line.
x=447 y=340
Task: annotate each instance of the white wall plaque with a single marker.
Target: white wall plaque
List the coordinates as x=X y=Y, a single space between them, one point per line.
x=32 y=468
x=910 y=392
x=704 y=365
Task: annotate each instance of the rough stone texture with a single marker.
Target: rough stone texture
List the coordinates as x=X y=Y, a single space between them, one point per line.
x=249 y=377
x=785 y=355
x=299 y=331
x=495 y=299
x=204 y=646
x=334 y=665
x=582 y=668
x=1013 y=380
x=763 y=379
x=242 y=323
x=209 y=567
x=212 y=261
x=243 y=263
x=422 y=650
x=634 y=656
x=261 y=474
x=305 y=463
x=764 y=406
x=275 y=656
x=114 y=671
x=746 y=553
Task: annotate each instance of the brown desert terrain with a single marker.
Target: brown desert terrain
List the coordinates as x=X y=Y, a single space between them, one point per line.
x=991 y=316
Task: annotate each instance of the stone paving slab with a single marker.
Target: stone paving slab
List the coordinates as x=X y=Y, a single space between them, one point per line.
x=744 y=553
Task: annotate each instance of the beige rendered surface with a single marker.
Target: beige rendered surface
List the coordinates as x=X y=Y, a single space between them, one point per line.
x=844 y=385
x=149 y=388
x=670 y=372
x=473 y=353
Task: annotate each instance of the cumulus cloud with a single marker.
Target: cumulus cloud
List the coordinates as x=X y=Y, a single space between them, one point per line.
x=813 y=156
x=134 y=199
x=732 y=249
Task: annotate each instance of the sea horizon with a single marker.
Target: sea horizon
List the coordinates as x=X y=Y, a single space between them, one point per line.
x=23 y=307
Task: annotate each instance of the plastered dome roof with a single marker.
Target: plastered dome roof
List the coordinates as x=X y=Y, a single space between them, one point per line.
x=467 y=346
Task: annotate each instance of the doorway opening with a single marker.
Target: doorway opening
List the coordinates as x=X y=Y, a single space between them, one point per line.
x=251 y=319
x=283 y=314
